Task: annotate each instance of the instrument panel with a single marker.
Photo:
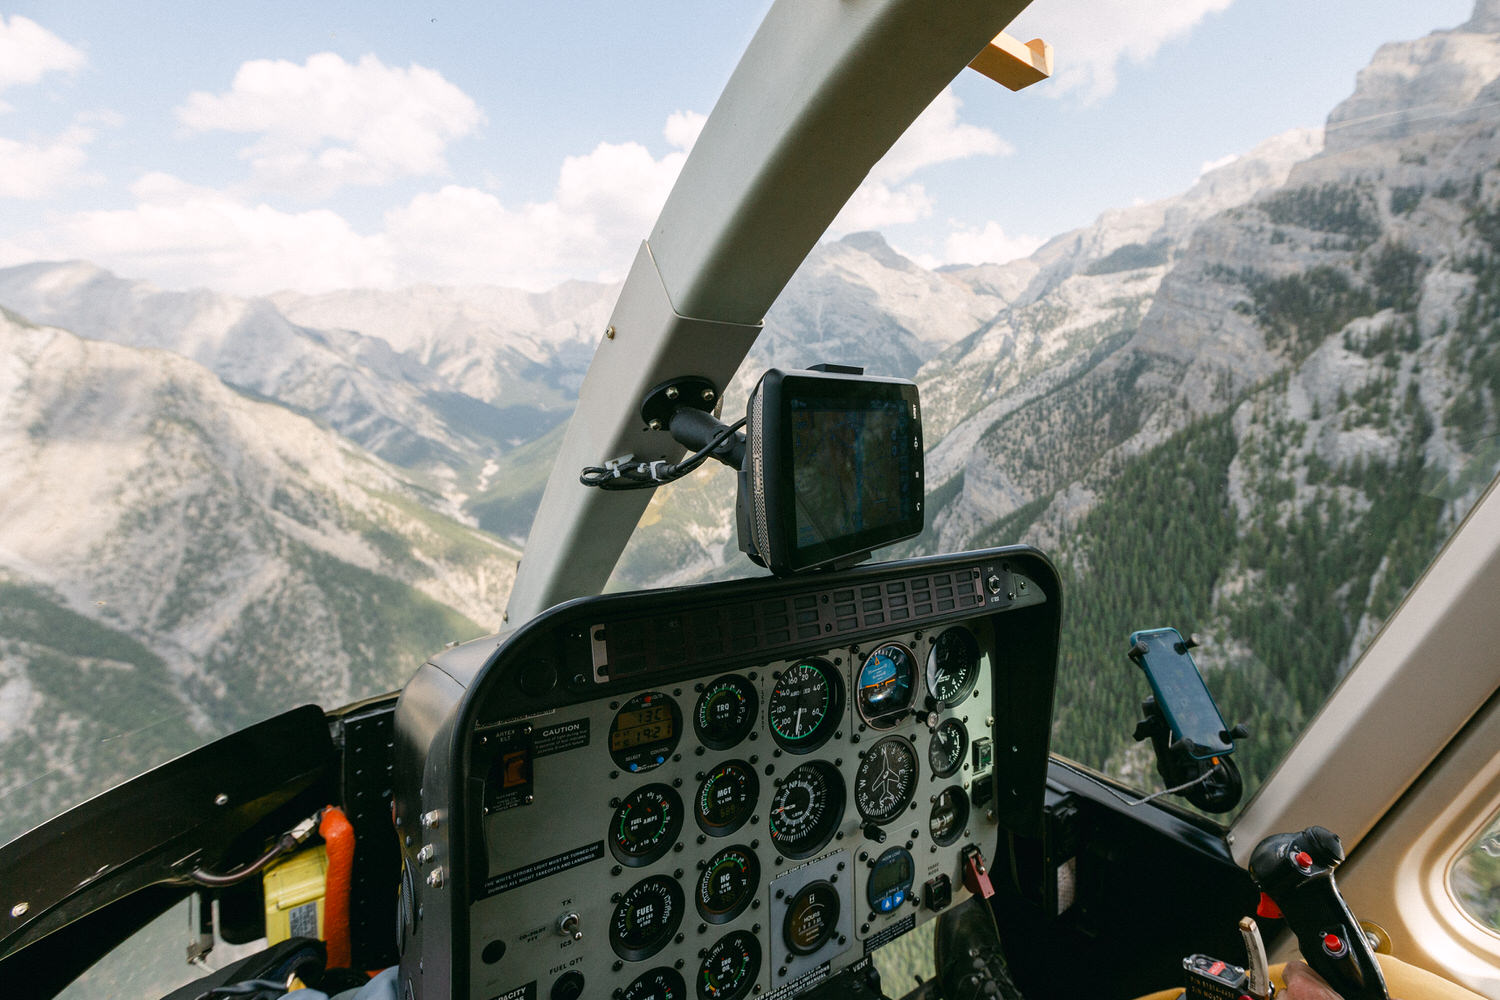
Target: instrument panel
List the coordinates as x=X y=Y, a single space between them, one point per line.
x=739 y=825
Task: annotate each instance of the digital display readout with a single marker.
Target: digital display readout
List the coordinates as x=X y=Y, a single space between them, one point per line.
x=852 y=469
x=648 y=725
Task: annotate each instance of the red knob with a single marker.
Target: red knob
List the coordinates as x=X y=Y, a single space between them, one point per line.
x=1303 y=860
x=1333 y=944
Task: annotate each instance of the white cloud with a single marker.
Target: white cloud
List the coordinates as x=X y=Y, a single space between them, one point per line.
x=183 y=236
x=1092 y=39
x=330 y=123
x=180 y=235
x=875 y=206
x=937 y=136
x=604 y=204
x=989 y=245
x=28 y=51
x=39 y=170
x=683 y=129
x=888 y=197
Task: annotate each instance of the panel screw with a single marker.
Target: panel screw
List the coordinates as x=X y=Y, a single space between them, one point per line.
x=708 y=395
x=19 y=910
x=609 y=334
x=672 y=392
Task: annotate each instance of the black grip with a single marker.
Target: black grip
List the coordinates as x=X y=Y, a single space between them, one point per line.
x=1296 y=871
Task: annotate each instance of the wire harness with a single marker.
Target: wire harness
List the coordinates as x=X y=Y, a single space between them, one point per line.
x=625 y=473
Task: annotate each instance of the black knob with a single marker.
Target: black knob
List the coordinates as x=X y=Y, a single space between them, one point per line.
x=569 y=986
x=874 y=832
x=1324 y=846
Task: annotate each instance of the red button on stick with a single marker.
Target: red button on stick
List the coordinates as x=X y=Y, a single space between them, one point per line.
x=1303 y=860
x=1333 y=944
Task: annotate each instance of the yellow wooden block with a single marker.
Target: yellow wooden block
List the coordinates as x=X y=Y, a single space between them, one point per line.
x=1013 y=63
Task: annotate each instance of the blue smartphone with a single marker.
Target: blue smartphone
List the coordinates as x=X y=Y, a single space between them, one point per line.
x=1180 y=691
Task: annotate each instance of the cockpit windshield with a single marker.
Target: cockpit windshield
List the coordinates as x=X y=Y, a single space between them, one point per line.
x=296 y=309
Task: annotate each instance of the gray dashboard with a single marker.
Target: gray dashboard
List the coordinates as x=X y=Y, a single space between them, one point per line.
x=719 y=792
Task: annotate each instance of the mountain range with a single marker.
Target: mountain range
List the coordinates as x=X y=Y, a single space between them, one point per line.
x=1253 y=410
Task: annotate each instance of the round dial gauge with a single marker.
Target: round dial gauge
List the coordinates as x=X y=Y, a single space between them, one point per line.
x=726 y=798
x=886 y=780
x=660 y=983
x=945 y=754
x=725 y=712
x=953 y=665
x=890 y=880
x=727 y=884
x=804 y=706
x=812 y=917
x=645 y=825
x=950 y=814
x=645 y=918
x=728 y=970
x=806 y=809
x=887 y=685
x=645 y=732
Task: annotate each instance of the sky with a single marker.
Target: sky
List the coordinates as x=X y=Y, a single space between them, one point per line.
x=249 y=148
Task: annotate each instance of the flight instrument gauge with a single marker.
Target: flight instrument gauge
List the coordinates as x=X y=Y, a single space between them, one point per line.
x=950 y=741
x=886 y=780
x=645 y=825
x=805 y=705
x=646 y=916
x=953 y=665
x=645 y=732
x=660 y=983
x=728 y=970
x=949 y=816
x=726 y=798
x=725 y=712
x=886 y=685
x=727 y=885
x=806 y=809
x=812 y=917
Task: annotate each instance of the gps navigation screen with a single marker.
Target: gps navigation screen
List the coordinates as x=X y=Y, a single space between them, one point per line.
x=851 y=470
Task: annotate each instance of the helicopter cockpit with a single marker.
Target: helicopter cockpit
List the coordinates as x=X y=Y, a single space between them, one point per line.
x=761 y=788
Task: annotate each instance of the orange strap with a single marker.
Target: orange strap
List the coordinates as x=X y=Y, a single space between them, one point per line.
x=338 y=836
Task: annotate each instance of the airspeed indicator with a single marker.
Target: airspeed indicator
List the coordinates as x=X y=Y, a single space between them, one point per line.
x=804 y=707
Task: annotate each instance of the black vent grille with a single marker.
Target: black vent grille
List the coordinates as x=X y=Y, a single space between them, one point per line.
x=634 y=647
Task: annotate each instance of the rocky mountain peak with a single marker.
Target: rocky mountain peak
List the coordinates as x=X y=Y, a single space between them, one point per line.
x=1486 y=16
x=1409 y=86
x=874 y=245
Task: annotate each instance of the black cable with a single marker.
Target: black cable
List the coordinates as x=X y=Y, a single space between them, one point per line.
x=629 y=475
x=286 y=843
x=215 y=880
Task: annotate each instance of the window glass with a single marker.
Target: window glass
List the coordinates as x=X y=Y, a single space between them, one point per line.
x=1474 y=879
